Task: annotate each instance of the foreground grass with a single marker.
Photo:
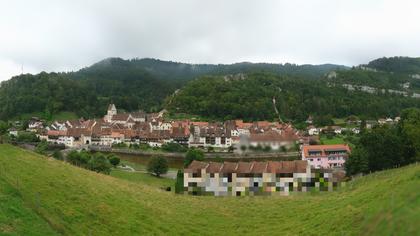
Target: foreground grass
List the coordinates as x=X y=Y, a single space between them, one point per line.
x=18 y=217
x=143 y=178
x=74 y=201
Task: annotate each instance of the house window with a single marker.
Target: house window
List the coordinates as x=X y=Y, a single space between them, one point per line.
x=230 y=177
x=255 y=184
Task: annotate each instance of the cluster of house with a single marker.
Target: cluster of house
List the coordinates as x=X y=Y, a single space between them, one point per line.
x=256 y=178
x=335 y=129
x=313 y=172
x=153 y=129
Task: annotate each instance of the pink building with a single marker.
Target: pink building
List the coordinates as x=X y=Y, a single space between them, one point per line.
x=326 y=156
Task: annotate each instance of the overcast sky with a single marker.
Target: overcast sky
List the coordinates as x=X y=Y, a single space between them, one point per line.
x=68 y=35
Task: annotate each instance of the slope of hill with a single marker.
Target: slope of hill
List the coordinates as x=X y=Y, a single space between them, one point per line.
x=130 y=84
x=47 y=197
x=404 y=65
x=176 y=70
x=251 y=97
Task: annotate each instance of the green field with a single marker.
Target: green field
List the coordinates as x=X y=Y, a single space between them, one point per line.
x=41 y=196
x=334 y=140
x=143 y=178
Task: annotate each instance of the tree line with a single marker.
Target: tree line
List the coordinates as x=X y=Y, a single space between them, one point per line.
x=386 y=147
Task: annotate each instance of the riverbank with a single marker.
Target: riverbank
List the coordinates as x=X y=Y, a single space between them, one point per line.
x=207 y=155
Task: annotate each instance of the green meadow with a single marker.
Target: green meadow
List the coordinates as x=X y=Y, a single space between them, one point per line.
x=43 y=196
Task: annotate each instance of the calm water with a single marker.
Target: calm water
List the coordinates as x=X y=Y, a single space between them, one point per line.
x=178 y=162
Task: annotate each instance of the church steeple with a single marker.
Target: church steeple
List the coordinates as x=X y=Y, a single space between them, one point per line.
x=112 y=110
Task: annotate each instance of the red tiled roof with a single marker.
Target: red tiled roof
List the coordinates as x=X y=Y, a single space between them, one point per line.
x=272 y=136
x=259 y=167
x=229 y=167
x=195 y=166
x=214 y=167
x=200 y=123
x=249 y=167
x=324 y=148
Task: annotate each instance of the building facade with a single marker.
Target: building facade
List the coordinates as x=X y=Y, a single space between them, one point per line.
x=325 y=156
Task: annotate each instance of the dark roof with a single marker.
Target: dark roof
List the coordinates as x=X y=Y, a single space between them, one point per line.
x=120 y=117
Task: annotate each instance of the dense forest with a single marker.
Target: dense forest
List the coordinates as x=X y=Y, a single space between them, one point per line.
x=130 y=84
x=241 y=90
x=403 y=65
x=88 y=97
x=251 y=97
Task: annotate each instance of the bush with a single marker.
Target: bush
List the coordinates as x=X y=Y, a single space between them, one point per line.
x=119 y=145
x=173 y=147
x=144 y=146
x=267 y=149
x=3 y=127
x=193 y=154
x=114 y=160
x=42 y=147
x=157 y=166
x=283 y=149
x=179 y=185
x=57 y=155
x=78 y=158
x=134 y=146
x=99 y=163
x=27 y=137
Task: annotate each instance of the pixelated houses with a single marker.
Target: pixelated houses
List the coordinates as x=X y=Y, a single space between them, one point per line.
x=255 y=178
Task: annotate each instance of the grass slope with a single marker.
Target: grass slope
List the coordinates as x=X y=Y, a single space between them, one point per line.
x=74 y=201
x=143 y=178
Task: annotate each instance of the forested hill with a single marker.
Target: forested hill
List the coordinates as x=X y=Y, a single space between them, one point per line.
x=251 y=97
x=144 y=84
x=130 y=84
x=169 y=70
x=405 y=65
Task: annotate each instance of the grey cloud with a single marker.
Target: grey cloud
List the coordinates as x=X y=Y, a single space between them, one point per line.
x=68 y=35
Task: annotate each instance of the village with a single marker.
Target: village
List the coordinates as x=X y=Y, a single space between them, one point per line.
x=233 y=136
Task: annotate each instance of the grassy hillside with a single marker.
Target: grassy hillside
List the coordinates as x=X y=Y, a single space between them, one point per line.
x=46 y=197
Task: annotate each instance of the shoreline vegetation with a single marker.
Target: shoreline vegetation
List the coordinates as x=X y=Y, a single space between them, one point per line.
x=207 y=155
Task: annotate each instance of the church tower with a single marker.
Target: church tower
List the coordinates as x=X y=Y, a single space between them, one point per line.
x=112 y=110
